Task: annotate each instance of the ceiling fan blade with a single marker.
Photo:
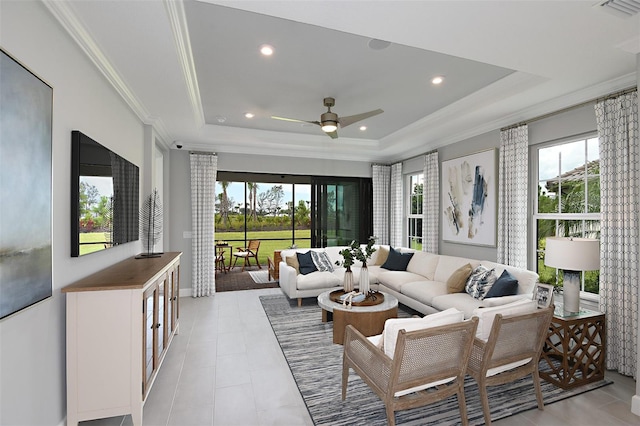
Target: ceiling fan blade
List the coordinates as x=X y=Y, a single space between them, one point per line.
x=350 y=119
x=295 y=120
x=334 y=134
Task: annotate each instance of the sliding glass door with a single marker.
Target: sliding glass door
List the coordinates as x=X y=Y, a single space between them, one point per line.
x=341 y=211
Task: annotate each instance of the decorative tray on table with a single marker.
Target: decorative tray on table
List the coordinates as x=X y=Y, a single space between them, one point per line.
x=372 y=299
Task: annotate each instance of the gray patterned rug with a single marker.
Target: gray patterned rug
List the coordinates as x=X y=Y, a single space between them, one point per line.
x=316 y=364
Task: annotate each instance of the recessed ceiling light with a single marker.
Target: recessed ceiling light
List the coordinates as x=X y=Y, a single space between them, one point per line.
x=220 y=119
x=266 y=50
x=363 y=128
x=249 y=115
x=437 y=80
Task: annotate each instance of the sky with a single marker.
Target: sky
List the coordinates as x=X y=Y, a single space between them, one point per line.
x=572 y=155
x=235 y=190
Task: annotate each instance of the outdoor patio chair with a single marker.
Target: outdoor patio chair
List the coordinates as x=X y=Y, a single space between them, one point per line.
x=428 y=365
x=251 y=251
x=512 y=351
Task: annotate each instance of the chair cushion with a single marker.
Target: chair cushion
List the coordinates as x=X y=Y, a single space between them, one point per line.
x=293 y=262
x=306 y=263
x=479 y=282
x=321 y=260
x=457 y=281
x=397 y=261
x=394 y=325
x=486 y=315
x=506 y=285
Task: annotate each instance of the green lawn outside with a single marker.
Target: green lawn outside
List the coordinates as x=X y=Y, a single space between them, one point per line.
x=269 y=241
x=92 y=237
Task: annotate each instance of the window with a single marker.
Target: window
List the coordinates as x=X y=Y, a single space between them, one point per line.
x=265 y=208
x=567 y=202
x=414 y=209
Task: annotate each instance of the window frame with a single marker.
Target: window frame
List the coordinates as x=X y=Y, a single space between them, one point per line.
x=411 y=217
x=559 y=216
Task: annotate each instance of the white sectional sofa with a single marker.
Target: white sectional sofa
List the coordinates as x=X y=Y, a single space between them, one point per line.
x=422 y=286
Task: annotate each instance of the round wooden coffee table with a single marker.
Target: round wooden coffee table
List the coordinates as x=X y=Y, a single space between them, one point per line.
x=369 y=320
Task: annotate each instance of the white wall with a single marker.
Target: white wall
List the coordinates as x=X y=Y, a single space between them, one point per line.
x=32 y=348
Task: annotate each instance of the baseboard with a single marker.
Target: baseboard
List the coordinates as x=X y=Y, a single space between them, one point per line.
x=635 y=405
x=185 y=292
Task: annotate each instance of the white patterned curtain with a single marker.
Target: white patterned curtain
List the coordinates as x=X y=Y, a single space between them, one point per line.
x=381 y=180
x=430 y=204
x=617 y=121
x=512 y=196
x=204 y=168
x=395 y=206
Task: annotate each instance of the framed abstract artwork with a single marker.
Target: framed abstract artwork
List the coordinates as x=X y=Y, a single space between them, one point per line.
x=469 y=199
x=25 y=187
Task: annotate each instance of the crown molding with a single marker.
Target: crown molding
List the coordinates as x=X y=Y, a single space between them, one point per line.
x=180 y=30
x=64 y=14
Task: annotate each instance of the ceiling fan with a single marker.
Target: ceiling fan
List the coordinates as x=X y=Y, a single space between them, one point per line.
x=329 y=120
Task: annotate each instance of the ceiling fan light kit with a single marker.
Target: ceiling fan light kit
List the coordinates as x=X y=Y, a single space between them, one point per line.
x=329 y=120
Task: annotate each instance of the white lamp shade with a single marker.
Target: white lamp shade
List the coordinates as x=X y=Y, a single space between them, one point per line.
x=572 y=254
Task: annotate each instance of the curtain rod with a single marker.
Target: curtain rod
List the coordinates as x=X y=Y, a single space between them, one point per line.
x=551 y=114
x=420 y=155
x=203 y=152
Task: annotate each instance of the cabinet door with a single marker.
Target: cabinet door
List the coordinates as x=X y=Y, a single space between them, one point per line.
x=161 y=322
x=148 y=332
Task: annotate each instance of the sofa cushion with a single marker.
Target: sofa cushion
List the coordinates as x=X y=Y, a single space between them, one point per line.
x=317 y=279
x=460 y=301
x=396 y=279
x=498 y=301
x=447 y=265
x=321 y=260
x=424 y=291
x=380 y=255
x=394 y=325
x=506 y=285
x=526 y=279
x=479 y=282
x=306 y=263
x=457 y=281
x=397 y=261
x=293 y=262
x=486 y=315
x=423 y=263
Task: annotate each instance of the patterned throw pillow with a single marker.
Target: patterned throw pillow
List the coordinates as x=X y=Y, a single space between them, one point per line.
x=322 y=261
x=480 y=281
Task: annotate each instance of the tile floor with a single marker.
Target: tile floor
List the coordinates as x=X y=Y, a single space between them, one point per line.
x=226 y=368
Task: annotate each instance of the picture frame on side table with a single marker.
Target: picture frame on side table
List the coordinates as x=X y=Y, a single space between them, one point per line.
x=543 y=295
x=470 y=199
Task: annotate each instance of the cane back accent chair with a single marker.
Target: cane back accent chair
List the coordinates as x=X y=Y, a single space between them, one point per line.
x=511 y=352
x=428 y=365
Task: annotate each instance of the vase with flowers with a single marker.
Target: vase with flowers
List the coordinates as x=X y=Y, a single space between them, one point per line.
x=347 y=282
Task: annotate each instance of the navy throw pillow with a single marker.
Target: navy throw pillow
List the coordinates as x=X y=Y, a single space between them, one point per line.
x=506 y=285
x=306 y=263
x=397 y=261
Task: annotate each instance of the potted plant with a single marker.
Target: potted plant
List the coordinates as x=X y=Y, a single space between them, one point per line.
x=352 y=253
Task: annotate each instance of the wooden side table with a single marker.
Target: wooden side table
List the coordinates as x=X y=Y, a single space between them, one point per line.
x=575 y=348
x=274 y=265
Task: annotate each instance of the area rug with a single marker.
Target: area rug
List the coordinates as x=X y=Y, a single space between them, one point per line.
x=261 y=277
x=316 y=364
x=237 y=280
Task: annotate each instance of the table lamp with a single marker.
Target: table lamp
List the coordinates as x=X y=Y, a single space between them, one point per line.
x=572 y=255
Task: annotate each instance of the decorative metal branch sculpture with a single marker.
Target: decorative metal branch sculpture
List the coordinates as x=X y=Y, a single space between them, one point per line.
x=151 y=224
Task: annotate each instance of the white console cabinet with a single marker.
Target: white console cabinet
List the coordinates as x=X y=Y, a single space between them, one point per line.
x=120 y=322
